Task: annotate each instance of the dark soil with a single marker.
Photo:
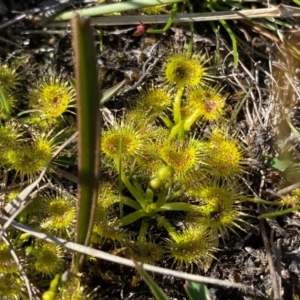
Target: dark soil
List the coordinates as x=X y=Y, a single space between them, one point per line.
x=265 y=134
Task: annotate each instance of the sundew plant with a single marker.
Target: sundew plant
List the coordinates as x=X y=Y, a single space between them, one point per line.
x=163 y=183
x=32 y=126
x=171 y=173
x=171 y=168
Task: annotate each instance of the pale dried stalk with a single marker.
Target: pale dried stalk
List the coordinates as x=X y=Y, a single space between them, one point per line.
x=280 y=11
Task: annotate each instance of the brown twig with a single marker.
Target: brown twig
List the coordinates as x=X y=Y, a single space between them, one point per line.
x=288 y=189
x=270 y=261
x=124 y=261
x=281 y=11
x=277 y=251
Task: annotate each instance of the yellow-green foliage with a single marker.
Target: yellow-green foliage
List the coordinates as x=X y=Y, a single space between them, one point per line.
x=12 y=287
x=46 y=258
x=183 y=156
x=153 y=101
x=29 y=158
x=51 y=97
x=167 y=166
x=154 y=10
x=73 y=290
x=9 y=82
x=28 y=140
x=7 y=264
x=169 y=169
x=145 y=252
x=207 y=102
x=104 y=227
x=223 y=155
x=9 y=136
x=219 y=207
x=184 y=70
x=60 y=215
x=193 y=246
x=292 y=199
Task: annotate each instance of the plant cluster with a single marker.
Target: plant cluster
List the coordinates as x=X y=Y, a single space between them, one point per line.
x=30 y=132
x=32 y=125
x=171 y=168
x=177 y=167
x=174 y=162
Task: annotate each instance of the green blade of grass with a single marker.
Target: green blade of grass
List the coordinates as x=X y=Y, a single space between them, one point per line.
x=113 y=8
x=88 y=117
x=232 y=37
x=106 y=95
x=233 y=41
x=111 y=91
x=4 y=106
x=278 y=213
x=294 y=129
x=279 y=164
x=120 y=179
x=134 y=204
x=155 y=289
x=133 y=217
x=196 y=291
